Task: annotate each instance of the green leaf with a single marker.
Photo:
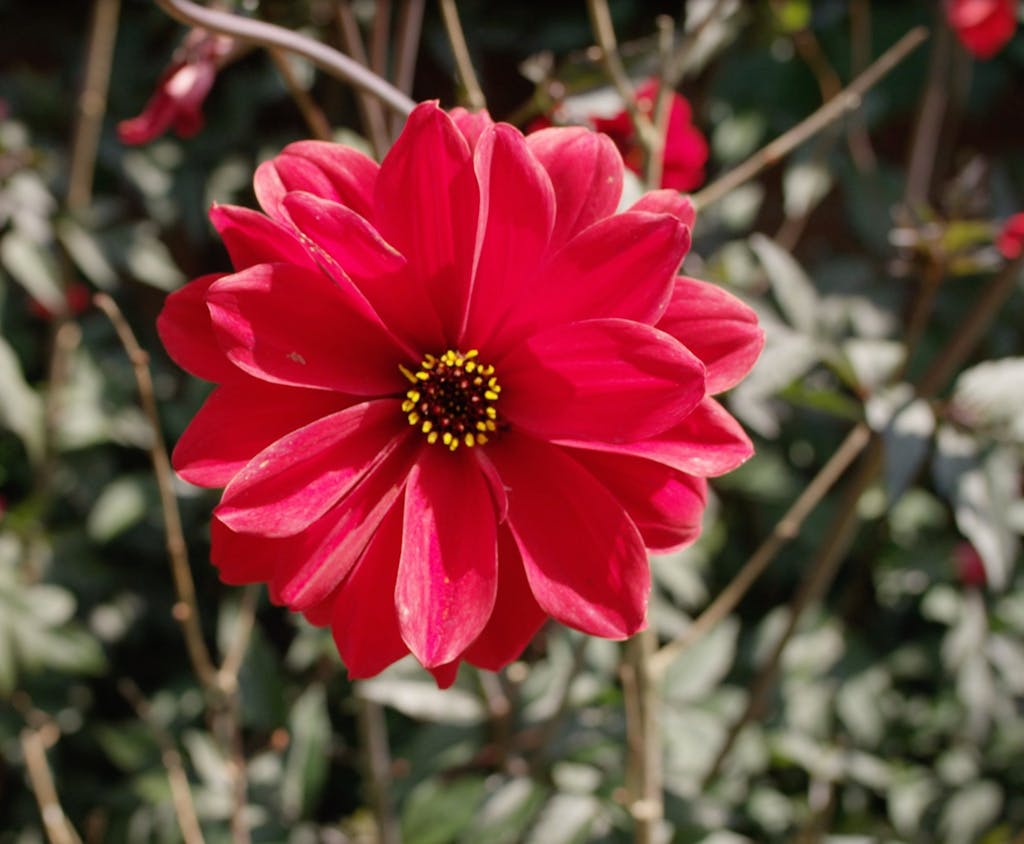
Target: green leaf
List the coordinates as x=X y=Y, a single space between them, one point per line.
x=122 y=504
x=907 y=425
x=414 y=693
x=804 y=185
x=700 y=668
x=21 y=410
x=505 y=814
x=991 y=395
x=34 y=268
x=438 y=812
x=85 y=251
x=971 y=811
x=305 y=767
x=565 y=819
x=793 y=289
x=980 y=490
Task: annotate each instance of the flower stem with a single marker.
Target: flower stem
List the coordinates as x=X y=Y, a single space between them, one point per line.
x=271 y=36
x=644 y=773
x=849 y=99
x=470 y=84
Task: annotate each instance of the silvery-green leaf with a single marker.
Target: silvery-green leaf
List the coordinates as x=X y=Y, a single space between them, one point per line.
x=804 y=185
x=991 y=394
x=34 y=268
x=793 y=289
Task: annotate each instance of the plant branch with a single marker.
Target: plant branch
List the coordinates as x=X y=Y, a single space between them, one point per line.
x=55 y=822
x=787 y=528
x=460 y=50
x=311 y=112
x=374 y=732
x=369 y=106
x=186 y=610
x=850 y=98
x=643 y=734
x=177 y=779
x=407 y=44
x=271 y=36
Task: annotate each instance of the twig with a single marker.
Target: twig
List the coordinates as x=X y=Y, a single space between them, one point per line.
x=655 y=164
x=928 y=131
x=643 y=733
x=843 y=528
x=186 y=611
x=379 y=37
x=227 y=675
x=271 y=36
x=92 y=102
x=181 y=791
x=374 y=733
x=467 y=76
x=860 y=55
x=407 y=45
x=55 y=822
x=604 y=32
x=819 y=577
x=311 y=112
x=851 y=98
x=677 y=66
x=369 y=106
x=787 y=528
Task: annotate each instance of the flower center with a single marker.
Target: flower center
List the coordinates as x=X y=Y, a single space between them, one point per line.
x=452 y=399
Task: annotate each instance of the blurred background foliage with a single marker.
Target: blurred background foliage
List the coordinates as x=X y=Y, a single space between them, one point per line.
x=896 y=710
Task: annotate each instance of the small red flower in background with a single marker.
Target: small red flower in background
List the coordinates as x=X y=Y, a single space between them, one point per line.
x=77 y=298
x=458 y=394
x=983 y=26
x=1010 y=240
x=178 y=100
x=969 y=566
x=686 y=149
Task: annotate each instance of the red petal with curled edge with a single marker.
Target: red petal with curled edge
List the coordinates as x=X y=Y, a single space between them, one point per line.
x=517 y=616
x=708 y=443
x=330 y=554
x=283 y=324
x=427 y=206
x=471 y=123
x=622 y=267
x=586 y=173
x=517 y=208
x=292 y=483
x=448 y=576
x=583 y=556
x=717 y=327
x=667 y=202
x=239 y=420
x=666 y=505
x=242 y=558
x=252 y=238
x=330 y=171
x=364 y=620
x=352 y=247
x=603 y=379
x=188 y=335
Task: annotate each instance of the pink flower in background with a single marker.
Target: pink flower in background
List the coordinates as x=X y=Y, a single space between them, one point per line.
x=983 y=26
x=1010 y=240
x=686 y=149
x=458 y=394
x=178 y=100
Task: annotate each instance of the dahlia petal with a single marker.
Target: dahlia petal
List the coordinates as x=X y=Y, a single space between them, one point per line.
x=348 y=242
x=586 y=173
x=708 y=443
x=187 y=333
x=445 y=675
x=717 y=327
x=294 y=481
x=240 y=419
x=447 y=576
x=471 y=123
x=241 y=558
x=364 y=621
x=517 y=209
x=252 y=238
x=517 y=616
x=330 y=171
x=427 y=207
x=329 y=555
x=671 y=202
x=603 y=379
x=666 y=505
x=583 y=556
x=287 y=325
x=623 y=266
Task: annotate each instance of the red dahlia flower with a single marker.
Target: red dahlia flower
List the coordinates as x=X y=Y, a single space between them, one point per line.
x=983 y=26
x=686 y=149
x=1010 y=240
x=177 y=102
x=458 y=393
